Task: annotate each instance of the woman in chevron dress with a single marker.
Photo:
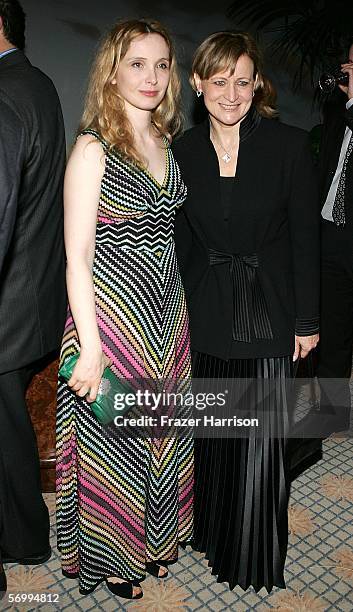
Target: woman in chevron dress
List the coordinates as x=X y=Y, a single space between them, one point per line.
x=123 y=504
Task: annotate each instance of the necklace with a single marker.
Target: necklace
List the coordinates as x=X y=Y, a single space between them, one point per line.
x=227 y=156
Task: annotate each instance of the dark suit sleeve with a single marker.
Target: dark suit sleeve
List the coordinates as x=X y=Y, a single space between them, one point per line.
x=333 y=128
x=12 y=145
x=304 y=225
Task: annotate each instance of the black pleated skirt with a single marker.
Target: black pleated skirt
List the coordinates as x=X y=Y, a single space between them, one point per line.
x=242 y=487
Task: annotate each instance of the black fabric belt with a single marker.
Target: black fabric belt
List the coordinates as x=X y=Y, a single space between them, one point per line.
x=247 y=291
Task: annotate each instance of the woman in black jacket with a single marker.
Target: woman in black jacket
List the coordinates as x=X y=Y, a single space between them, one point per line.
x=247 y=242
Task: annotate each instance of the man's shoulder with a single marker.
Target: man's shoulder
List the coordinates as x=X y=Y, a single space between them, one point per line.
x=23 y=82
x=29 y=99
x=25 y=78
x=33 y=99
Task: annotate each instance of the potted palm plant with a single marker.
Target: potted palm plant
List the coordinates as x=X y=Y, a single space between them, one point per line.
x=308 y=35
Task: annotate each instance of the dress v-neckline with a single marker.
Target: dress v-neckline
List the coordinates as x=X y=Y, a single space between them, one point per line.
x=162 y=185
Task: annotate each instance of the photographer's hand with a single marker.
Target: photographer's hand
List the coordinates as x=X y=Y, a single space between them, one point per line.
x=348 y=89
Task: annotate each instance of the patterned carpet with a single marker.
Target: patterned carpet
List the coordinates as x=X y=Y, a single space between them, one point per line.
x=319 y=568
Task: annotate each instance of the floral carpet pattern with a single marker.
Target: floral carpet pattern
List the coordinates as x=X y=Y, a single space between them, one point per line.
x=319 y=568
x=318 y=573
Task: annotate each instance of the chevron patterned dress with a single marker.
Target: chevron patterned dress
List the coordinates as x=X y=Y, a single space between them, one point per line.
x=122 y=502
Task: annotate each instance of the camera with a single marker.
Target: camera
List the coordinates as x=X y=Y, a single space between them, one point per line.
x=329 y=80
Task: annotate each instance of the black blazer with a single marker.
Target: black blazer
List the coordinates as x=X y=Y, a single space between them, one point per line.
x=336 y=119
x=32 y=261
x=272 y=234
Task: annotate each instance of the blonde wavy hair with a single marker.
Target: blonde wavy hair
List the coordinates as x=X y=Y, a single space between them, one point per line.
x=221 y=51
x=104 y=109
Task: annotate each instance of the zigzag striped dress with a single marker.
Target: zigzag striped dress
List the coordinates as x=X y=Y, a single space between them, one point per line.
x=124 y=502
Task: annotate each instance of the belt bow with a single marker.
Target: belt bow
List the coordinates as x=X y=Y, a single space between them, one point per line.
x=248 y=296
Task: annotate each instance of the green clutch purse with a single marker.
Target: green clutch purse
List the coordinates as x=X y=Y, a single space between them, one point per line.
x=103 y=407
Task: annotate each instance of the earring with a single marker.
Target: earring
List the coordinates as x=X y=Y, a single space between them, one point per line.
x=253 y=93
x=199 y=93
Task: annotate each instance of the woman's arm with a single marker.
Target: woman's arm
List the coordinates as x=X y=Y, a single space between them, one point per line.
x=81 y=196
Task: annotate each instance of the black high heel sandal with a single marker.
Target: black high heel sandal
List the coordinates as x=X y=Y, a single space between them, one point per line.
x=153 y=568
x=123 y=589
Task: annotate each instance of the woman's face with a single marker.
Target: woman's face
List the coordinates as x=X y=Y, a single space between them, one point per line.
x=228 y=96
x=143 y=74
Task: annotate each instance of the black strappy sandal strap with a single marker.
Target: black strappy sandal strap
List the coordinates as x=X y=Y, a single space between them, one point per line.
x=123 y=589
x=153 y=568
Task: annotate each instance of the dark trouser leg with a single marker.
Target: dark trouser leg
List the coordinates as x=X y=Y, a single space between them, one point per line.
x=24 y=520
x=336 y=339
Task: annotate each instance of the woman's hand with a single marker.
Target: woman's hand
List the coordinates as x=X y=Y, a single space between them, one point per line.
x=304 y=344
x=87 y=373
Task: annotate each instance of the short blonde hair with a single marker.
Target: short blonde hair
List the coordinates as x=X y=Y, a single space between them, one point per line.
x=221 y=51
x=104 y=109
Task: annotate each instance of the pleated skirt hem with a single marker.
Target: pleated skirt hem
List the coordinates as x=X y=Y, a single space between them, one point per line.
x=245 y=585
